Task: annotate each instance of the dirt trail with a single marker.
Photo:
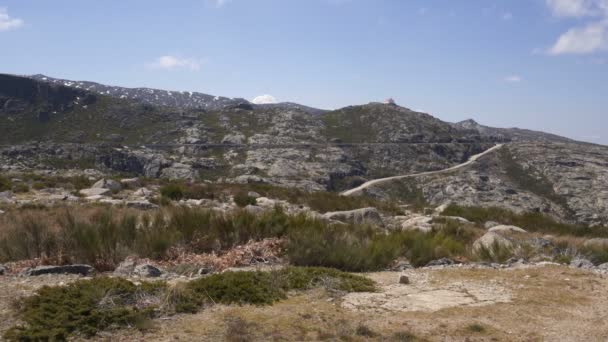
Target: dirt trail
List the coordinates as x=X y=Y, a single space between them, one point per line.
x=471 y=160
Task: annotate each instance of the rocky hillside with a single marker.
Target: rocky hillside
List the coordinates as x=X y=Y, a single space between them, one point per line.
x=54 y=125
x=566 y=180
x=515 y=134
x=238 y=142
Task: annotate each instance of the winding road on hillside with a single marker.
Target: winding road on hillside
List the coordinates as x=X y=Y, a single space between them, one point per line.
x=471 y=160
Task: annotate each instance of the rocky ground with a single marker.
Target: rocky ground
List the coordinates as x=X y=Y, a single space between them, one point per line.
x=438 y=304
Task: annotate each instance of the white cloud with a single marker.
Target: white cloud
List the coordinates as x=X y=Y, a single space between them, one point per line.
x=507 y=16
x=169 y=62
x=587 y=39
x=264 y=99
x=8 y=23
x=423 y=10
x=582 y=40
x=513 y=79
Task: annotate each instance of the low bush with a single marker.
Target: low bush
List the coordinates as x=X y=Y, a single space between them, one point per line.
x=532 y=222
x=476 y=328
x=173 y=191
x=496 y=253
x=364 y=331
x=242 y=199
x=86 y=307
x=5 y=184
x=21 y=188
x=596 y=254
x=240 y=288
x=361 y=248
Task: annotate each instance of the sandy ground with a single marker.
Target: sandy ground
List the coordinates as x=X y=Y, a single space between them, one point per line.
x=547 y=303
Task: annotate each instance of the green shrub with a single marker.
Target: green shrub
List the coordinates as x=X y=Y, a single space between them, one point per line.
x=303 y=278
x=360 y=248
x=350 y=248
x=173 y=191
x=532 y=222
x=199 y=191
x=238 y=288
x=84 y=307
x=21 y=188
x=242 y=199
x=5 y=184
x=596 y=254
x=38 y=186
x=497 y=253
x=102 y=241
x=87 y=306
x=30 y=238
x=475 y=327
x=365 y=331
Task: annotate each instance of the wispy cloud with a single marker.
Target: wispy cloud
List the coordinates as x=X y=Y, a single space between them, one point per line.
x=169 y=62
x=7 y=22
x=513 y=79
x=507 y=16
x=577 y=8
x=264 y=99
x=220 y=3
x=582 y=40
x=587 y=39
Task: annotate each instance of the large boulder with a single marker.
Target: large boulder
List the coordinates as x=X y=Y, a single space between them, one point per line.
x=110 y=184
x=179 y=171
x=83 y=270
x=131 y=182
x=357 y=216
x=418 y=223
x=581 y=263
x=6 y=196
x=95 y=192
x=130 y=267
x=234 y=139
x=507 y=229
x=490 y=224
x=142 y=192
x=141 y=204
x=490 y=240
x=147 y=271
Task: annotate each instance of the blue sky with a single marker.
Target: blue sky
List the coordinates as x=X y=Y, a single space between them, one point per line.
x=539 y=64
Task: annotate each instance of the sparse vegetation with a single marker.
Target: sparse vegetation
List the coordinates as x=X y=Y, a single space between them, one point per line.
x=532 y=222
x=320 y=201
x=530 y=179
x=361 y=248
x=364 y=331
x=242 y=199
x=476 y=328
x=5 y=184
x=173 y=191
x=495 y=253
x=404 y=336
x=84 y=308
x=89 y=306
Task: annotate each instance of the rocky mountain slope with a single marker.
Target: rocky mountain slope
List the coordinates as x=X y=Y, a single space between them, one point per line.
x=515 y=134
x=54 y=125
x=565 y=180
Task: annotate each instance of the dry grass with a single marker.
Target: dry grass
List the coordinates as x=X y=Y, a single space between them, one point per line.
x=550 y=304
